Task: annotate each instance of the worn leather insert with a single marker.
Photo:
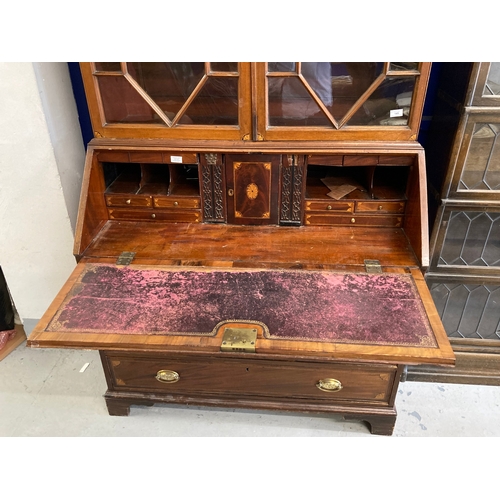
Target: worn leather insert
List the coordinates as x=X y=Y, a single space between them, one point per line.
x=379 y=309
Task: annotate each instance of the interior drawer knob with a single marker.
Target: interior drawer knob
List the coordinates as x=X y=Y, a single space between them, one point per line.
x=176 y=203
x=353 y=220
x=167 y=376
x=380 y=207
x=128 y=202
x=329 y=207
x=329 y=385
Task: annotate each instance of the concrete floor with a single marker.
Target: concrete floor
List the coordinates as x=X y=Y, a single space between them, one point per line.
x=43 y=393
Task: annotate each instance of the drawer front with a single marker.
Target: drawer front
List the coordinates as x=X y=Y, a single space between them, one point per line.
x=353 y=220
x=247 y=377
x=179 y=157
x=175 y=202
x=334 y=160
x=395 y=160
x=115 y=200
x=329 y=206
x=360 y=160
x=156 y=215
x=394 y=207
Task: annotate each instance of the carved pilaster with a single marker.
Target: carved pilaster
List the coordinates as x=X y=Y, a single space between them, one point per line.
x=292 y=176
x=298 y=180
x=213 y=188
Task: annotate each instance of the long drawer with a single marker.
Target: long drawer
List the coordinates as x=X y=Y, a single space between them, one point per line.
x=195 y=374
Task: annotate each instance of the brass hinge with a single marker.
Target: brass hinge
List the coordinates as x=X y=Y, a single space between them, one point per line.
x=125 y=258
x=373 y=266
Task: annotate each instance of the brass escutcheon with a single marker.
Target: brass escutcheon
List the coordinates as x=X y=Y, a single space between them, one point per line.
x=230 y=192
x=329 y=385
x=167 y=376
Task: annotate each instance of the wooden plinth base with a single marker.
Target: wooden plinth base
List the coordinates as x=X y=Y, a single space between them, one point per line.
x=380 y=421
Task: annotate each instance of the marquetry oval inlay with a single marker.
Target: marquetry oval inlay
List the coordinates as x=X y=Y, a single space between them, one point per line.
x=252 y=191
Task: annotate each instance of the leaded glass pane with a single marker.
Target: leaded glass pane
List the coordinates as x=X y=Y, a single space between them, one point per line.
x=482 y=166
x=492 y=86
x=472 y=239
x=468 y=311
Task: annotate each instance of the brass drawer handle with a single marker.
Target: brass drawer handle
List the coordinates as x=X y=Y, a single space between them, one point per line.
x=167 y=376
x=329 y=385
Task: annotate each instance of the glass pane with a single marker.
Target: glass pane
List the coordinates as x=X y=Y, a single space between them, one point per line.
x=389 y=105
x=291 y=104
x=215 y=104
x=482 y=166
x=472 y=239
x=122 y=103
x=274 y=67
x=169 y=84
x=492 y=86
x=108 y=66
x=403 y=66
x=224 y=66
x=340 y=85
x=468 y=311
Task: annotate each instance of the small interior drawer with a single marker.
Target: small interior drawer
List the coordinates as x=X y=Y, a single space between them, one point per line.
x=320 y=219
x=329 y=206
x=115 y=200
x=179 y=157
x=156 y=215
x=395 y=207
x=176 y=202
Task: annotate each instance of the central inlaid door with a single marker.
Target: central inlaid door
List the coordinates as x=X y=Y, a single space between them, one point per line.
x=252 y=183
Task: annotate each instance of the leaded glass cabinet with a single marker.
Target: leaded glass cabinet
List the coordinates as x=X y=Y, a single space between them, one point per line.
x=463 y=158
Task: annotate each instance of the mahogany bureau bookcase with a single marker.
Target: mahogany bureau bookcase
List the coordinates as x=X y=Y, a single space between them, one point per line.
x=252 y=235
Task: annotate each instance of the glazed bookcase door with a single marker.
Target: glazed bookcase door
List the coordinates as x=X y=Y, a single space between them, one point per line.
x=469 y=241
x=468 y=308
x=205 y=100
x=333 y=100
x=477 y=172
x=487 y=89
